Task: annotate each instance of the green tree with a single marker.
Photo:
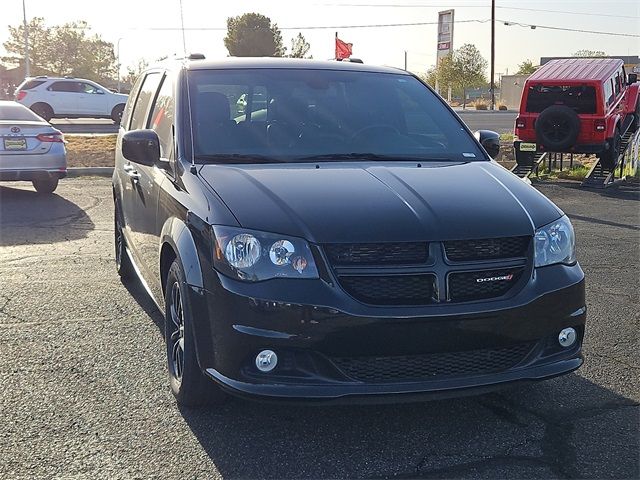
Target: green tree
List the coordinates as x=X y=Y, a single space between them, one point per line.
x=63 y=50
x=526 y=68
x=464 y=68
x=299 y=47
x=589 y=53
x=253 y=35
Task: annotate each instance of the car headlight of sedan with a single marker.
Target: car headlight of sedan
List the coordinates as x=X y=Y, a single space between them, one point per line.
x=253 y=256
x=555 y=243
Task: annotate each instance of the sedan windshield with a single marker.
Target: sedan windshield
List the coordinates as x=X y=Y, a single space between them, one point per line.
x=321 y=115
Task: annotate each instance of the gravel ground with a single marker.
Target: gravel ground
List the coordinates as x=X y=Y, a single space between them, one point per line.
x=85 y=390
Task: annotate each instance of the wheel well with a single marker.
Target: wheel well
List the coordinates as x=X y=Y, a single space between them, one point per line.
x=43 y=104
x=167 y=256
x=119 y=105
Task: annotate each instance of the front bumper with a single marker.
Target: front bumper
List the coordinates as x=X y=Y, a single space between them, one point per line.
x=313 y=340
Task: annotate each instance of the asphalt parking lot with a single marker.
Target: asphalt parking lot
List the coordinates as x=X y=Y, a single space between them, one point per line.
x=85 y=390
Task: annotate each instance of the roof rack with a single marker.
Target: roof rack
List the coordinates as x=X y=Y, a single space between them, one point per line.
x=352 y=60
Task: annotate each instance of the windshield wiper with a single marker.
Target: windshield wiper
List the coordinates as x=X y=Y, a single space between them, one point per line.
x=369 y=156
x=238 y=158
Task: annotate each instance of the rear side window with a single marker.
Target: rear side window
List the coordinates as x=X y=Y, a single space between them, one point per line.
x=162 y=118
x=582 y=99
x=143 y=102
x=72 y=87
x=29 y=84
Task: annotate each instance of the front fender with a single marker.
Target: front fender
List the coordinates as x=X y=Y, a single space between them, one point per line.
x=176 y=233
x=612 y=122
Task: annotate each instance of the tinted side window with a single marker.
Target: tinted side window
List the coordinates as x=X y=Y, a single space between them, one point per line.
x=143 y=102
x=131 y=102
x=162 y=118
x=29 y=84
x=87 y=88
x=72 y=87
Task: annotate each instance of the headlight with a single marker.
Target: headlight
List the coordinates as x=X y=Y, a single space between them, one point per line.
x=555 y=243
x=254 y=256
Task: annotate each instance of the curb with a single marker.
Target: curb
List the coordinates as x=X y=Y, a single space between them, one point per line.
x=90 y=171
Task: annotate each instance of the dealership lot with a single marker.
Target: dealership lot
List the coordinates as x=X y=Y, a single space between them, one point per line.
x=85 y=389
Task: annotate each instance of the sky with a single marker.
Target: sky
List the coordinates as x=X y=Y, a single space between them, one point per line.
x=134 y=21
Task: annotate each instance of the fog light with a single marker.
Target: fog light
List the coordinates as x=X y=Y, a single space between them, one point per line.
x=567 y=337
x=267 y=360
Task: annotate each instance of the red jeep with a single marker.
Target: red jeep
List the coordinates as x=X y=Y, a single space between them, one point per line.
x=578 y=105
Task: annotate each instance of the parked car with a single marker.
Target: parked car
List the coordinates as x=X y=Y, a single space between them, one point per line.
x=52 y=97
x=578 y=105
x=30 y=148
x=356 y=242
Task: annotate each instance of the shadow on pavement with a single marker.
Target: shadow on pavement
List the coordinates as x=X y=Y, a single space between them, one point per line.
x=27 y=217
x=565 y=428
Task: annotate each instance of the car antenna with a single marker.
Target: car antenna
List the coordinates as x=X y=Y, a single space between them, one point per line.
x=193 y=168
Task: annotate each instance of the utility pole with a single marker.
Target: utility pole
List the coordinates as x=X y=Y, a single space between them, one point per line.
x=118 y=62
x=27 y=66
x=405 y=59
x=492 y=86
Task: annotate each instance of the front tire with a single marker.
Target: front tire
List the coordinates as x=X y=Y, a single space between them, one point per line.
x=124 y=267
x=187 y=382
x=116 y=114
x=45 y=185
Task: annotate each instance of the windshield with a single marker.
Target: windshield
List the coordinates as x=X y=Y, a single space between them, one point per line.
x=582 y=99
x=267 y=115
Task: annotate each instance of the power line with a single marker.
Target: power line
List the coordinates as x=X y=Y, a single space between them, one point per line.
x=318 y=27
x=565 y=29
x=390 y=5
x=413 y=24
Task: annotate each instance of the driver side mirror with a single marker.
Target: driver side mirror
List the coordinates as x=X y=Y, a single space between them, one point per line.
x=489 y=140
x=632 y=78
x=141 y=146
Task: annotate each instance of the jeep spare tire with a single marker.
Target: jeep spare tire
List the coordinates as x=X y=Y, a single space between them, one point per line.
x=557 y=127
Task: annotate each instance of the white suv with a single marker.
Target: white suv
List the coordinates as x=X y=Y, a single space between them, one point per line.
x=52 y=97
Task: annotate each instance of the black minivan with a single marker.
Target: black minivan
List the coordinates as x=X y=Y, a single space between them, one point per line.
x=344 y=238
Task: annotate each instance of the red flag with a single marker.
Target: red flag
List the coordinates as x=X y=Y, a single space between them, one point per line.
x=343 y=50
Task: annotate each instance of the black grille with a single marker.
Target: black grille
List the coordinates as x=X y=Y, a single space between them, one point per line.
x=468 y=286
x=405 y=253
x=429 y=366
x=392 y=289
x=486 y=249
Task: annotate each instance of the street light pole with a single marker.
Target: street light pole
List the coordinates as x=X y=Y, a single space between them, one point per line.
x=493 y=54
x=118 y=61
x=27 y=66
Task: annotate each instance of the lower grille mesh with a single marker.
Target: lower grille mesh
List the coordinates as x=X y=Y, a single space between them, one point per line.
x=429 y=366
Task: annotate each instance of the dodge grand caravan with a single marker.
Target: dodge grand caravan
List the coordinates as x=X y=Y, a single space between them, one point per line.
x=345 y=238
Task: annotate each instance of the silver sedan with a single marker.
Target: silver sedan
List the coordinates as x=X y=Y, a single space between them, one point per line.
x=30 y=148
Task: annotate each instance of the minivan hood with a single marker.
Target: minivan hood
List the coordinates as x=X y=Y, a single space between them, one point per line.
x=381 y=202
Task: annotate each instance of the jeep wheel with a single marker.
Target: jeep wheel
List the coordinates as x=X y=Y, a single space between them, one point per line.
x=609 y=158
x=188 y=384
x=116 y=113
x=557 y=127
x=43 y=110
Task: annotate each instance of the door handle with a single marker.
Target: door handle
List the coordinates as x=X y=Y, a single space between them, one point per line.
x=131 y=171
